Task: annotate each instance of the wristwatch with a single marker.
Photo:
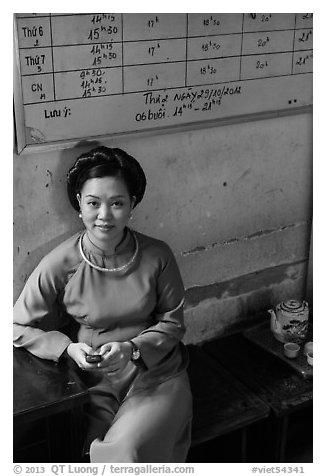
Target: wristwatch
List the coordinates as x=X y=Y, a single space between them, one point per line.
x=135 y=352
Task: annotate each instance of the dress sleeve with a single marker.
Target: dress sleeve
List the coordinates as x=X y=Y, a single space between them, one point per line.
x=35 y=304
x=158 y=340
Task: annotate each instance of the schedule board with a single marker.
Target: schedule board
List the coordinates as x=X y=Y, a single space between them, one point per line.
x=85 y=75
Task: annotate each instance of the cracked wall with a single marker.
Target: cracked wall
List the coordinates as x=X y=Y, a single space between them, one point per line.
x=233 y=202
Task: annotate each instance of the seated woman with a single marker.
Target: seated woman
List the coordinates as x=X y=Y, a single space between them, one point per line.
x=124 y=291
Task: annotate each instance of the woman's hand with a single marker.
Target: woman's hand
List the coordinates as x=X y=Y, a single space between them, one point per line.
x=78 y=351
x=115 y=356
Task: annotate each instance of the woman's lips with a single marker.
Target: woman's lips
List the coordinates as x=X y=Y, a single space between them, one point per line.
x=105 y=227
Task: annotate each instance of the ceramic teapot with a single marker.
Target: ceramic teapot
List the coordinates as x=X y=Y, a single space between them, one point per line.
x=289 y=321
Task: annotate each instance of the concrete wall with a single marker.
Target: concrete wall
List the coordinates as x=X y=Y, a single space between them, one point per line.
x=233 y=202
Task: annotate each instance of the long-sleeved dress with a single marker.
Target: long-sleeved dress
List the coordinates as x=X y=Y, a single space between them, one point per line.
x=141 y=413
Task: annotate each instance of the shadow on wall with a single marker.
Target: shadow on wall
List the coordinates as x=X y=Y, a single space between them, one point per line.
x=222 y=308
x=60 y=207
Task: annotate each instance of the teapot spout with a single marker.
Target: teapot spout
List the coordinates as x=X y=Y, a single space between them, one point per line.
x=273 y=322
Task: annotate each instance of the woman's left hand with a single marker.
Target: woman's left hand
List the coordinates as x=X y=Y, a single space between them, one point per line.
x=115 y=356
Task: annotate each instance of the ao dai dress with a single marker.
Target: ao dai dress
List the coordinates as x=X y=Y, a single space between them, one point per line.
x=142 y=413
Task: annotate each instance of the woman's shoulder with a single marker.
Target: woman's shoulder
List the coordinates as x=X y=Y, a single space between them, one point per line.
x=154 y=245
x=64 y=256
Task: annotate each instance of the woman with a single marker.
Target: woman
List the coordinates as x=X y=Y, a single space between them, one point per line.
x=124 y=291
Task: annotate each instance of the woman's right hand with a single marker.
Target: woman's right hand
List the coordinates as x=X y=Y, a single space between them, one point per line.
x=78 y=351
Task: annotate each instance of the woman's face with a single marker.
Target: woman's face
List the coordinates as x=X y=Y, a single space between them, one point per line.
x=105 y=205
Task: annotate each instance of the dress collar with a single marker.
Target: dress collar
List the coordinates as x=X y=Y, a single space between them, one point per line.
x=119 y=249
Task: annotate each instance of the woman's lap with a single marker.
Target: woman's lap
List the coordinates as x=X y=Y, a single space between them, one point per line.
x=152 y=425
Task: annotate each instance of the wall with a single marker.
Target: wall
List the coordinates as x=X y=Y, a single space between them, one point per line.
x=233 y=202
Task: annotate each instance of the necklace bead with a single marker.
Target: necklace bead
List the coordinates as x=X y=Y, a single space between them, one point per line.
x=109 y=270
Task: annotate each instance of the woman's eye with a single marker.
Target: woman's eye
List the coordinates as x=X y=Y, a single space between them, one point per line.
x=93 y=204
x=117 y=204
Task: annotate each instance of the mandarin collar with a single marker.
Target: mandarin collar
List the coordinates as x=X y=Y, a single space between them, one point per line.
x=120 y=248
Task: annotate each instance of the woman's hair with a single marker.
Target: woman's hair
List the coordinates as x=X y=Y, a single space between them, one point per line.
x=106 y=162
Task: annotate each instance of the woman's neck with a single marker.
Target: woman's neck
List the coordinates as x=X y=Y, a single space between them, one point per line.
x=108 y=248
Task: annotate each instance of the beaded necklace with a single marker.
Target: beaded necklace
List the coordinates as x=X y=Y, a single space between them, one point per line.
x=109 y=270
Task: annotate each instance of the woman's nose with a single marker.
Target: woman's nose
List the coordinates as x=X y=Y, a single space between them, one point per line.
x=105 y=212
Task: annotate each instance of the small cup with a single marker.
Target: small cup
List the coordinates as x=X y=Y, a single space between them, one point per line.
x=310 y=358
x=308 y=347
x=291 y=350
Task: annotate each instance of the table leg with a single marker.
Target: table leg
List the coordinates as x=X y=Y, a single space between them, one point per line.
x=48 y=440
x=244 y=445
x=281 y=438
x=77 y=434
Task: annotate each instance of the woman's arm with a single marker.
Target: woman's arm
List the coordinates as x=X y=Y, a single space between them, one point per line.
x=33 y=307
x=157 y=341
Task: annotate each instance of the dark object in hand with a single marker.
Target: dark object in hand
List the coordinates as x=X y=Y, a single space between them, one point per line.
x=93 y=359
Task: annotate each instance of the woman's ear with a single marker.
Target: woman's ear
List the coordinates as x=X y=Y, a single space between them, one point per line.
x=78 y=198
x=133 y=200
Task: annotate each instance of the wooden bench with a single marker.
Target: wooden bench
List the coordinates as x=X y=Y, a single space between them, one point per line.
x=273 y=381
x=221 y=403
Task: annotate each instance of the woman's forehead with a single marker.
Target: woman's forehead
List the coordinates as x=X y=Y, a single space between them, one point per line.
x=105 y=186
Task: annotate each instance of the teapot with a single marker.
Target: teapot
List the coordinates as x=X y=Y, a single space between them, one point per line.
x=289 y=321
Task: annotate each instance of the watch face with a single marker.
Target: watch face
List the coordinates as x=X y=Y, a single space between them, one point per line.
x=135 y=354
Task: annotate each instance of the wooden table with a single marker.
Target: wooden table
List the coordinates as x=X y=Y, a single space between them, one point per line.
x=43 y=389
x=271 y=379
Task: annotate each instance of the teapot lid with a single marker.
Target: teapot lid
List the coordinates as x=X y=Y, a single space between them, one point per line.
x=293 y=305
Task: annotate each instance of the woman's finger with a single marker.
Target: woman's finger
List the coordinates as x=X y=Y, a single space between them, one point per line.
x=86 y=348
x=105 y=348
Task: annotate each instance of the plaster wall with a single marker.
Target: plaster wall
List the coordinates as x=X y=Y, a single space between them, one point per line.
x=233 y=202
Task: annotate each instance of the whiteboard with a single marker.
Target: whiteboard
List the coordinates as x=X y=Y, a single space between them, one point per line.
x=80 y=76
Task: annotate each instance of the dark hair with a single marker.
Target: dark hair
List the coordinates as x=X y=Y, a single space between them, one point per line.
x=106 y=162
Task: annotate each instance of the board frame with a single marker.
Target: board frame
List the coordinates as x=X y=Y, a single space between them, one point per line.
x=23 y=148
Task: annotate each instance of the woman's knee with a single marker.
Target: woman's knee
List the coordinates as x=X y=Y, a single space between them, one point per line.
x=123 y=451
